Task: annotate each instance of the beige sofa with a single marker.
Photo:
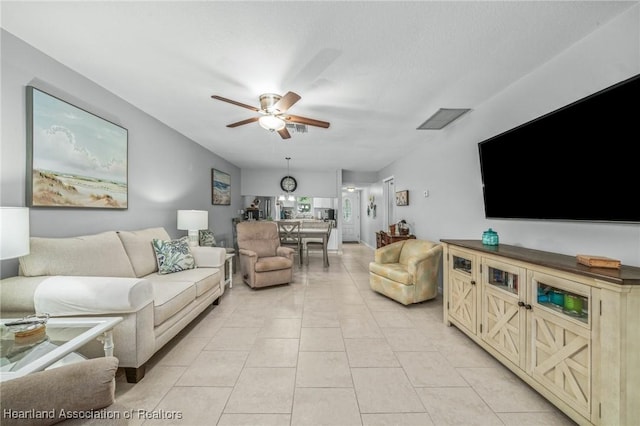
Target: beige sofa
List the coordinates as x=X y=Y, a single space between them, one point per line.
x=115 y=274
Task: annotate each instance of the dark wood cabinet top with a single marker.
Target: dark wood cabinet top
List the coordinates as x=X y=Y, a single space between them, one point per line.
x=626 y=275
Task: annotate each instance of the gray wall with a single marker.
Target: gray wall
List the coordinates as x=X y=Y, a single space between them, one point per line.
x=448 y=165
x=167 y=171
x=266 y=182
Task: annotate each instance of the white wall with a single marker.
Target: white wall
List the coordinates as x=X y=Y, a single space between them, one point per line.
x=448 y=166
x=167 y=171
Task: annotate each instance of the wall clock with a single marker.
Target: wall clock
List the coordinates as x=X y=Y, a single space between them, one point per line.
x=288 y=183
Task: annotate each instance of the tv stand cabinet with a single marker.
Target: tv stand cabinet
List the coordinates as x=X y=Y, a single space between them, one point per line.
x=569 y=331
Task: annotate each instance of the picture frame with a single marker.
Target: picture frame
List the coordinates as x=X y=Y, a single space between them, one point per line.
x=220 y=188
x=402 y=198
x=75 y=159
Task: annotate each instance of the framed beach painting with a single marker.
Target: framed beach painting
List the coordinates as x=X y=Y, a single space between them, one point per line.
x=220 y=188
x=75 y=158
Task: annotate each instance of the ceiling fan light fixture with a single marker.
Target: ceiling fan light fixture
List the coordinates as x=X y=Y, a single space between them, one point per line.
x=271 y=122
x=268 y=100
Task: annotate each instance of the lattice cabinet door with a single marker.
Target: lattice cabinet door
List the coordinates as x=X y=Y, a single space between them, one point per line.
x=504 y=325
x=463 y=290
x=504 y=309
x=561 y=358
x=561 y=355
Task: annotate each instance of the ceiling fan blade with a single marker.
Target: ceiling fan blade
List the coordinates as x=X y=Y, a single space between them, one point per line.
x=307 y=121
x=284 y=133
x=220 y=98
x=286 y=101
x=247 y=121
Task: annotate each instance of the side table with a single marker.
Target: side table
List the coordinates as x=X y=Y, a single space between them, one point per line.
x=228 y=269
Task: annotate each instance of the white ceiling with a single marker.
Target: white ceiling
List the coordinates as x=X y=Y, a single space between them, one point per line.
x=374 y=70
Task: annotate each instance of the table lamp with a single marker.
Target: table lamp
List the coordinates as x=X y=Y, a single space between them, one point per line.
x=14 y=232
x=193 y=221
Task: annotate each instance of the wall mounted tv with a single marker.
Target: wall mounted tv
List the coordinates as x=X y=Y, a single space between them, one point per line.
x=577 y=163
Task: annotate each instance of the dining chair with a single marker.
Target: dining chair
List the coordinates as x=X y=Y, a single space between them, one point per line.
x=290 y=237
x=315 y=243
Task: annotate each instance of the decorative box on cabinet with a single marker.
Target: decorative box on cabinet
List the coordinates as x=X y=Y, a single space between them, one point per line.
x=569 y=331
x=383 y=238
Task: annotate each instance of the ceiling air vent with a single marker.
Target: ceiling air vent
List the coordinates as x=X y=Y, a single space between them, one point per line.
x=442 y=117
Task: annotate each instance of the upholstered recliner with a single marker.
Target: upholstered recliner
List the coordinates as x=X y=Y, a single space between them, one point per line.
x=263 y=262
x=407 y=271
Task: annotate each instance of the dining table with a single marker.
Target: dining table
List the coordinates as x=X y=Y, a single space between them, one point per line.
x=317 y=231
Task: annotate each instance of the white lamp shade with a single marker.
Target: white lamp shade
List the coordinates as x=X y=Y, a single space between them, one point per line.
x=193 y=219
x=14 y=232
x=271 y=122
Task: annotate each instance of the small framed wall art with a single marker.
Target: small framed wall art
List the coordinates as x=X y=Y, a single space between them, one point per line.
x=75 y=158
x=402 y=198
x=220 y=188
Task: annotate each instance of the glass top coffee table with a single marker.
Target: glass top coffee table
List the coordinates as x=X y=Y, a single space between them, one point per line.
x=25 y=355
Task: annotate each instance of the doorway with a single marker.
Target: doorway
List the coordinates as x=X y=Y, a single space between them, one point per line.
x=351 y=217
x=389 y=201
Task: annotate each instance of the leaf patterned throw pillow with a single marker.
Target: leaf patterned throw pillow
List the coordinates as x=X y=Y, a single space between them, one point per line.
x=207 y=239
x=173 y=255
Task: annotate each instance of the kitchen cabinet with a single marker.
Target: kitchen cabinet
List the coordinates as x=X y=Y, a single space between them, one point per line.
x=322 y=203
x=570 y=331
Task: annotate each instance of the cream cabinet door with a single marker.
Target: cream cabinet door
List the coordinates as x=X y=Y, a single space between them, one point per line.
x=463 y=290
x=561 y=356
x=504 y=308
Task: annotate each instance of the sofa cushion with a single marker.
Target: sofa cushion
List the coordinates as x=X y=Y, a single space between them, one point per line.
x=204 y=278
x=173 y=255
x=170 y=297
x=393 y=271
x=273 y=263
x=137 y=244
x=90 y=255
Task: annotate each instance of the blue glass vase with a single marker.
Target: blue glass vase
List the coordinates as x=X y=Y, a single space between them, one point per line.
x=490 y=237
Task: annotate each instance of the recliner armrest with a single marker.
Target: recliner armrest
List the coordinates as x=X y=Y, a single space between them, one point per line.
x=247 y=252
x=285 y=252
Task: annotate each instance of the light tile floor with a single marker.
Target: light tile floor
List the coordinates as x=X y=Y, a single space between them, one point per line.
x=327 y=350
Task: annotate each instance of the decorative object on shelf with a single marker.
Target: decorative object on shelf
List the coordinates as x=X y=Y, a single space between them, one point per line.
x=14 y=232
x=598 y=261
x=220 y=188
x=95 y=176
x=490 y=237
x=402 y=198
x=288 y=184
x=371 y=207
x=392 y=229
x=403 y=228
x=29 y=326
x=193 y=221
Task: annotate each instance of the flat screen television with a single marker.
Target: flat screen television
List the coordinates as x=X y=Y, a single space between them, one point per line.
x=576 y=163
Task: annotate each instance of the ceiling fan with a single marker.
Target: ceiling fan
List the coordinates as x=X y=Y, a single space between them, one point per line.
x=274 y=113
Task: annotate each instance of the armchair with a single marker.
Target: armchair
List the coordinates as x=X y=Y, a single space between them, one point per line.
x=263 y=261
x=406 y=271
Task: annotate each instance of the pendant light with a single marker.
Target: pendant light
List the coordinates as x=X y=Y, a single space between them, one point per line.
x=288 y=196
